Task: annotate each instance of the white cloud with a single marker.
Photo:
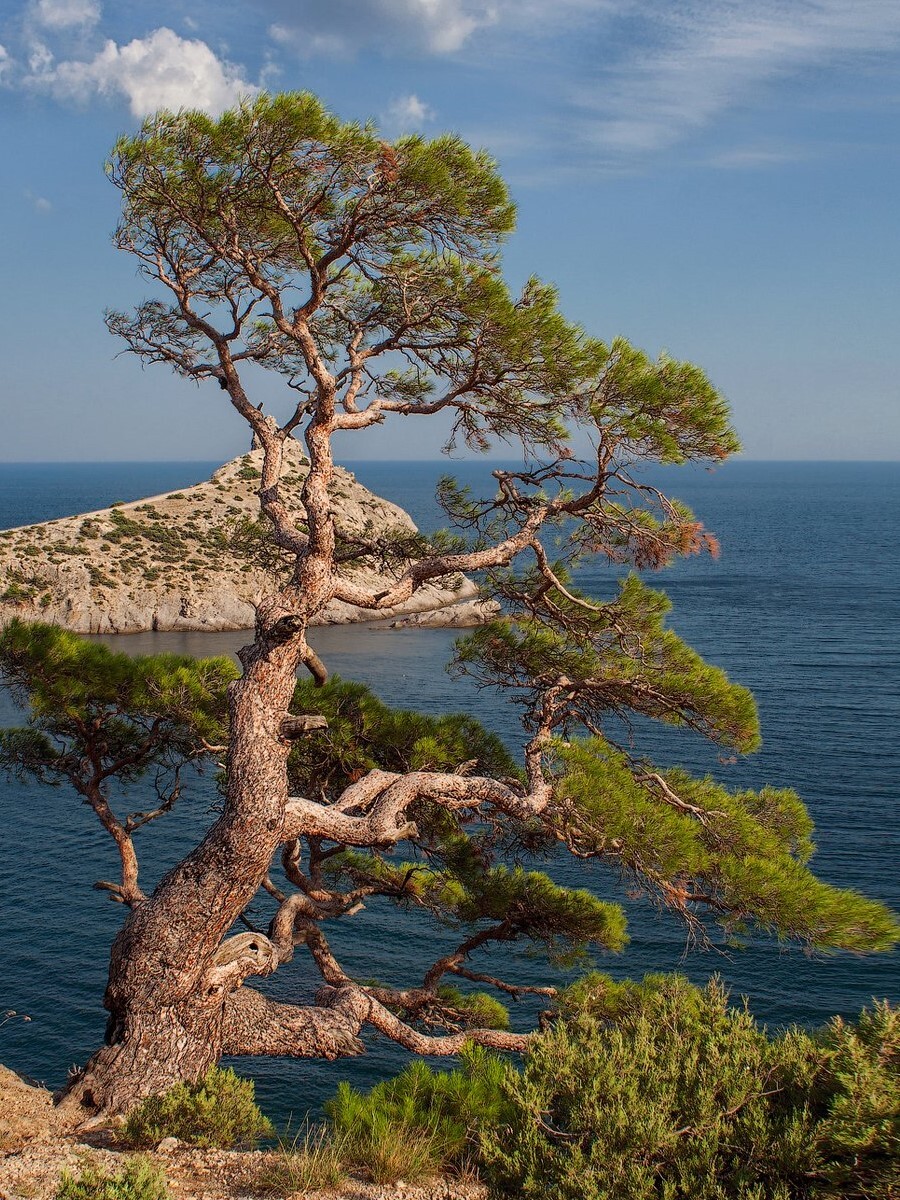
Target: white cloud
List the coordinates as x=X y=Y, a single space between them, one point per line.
x=342 y=27
x=6 y=64
x=407 y=113
x=66 y=14
x=161 y=70
x=40 y=203
x=699 y=59
x=40 y=60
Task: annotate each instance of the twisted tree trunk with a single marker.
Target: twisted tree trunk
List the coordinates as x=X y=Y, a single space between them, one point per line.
x=170 y=978
x=176 y=994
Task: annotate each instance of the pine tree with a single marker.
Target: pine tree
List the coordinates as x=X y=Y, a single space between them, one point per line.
x=367 y=276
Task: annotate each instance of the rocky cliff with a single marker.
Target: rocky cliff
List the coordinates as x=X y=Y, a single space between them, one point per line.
x=195 y=559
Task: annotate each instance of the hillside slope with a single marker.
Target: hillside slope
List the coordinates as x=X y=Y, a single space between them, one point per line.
x=197 y=559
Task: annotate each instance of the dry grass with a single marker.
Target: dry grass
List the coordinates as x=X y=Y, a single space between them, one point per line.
x=320 y=1157
x=311 y=1162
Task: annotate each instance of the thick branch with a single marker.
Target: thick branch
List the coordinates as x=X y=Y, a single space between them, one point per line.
x=391 y=795
x=237 y=958
x=442 y=1044
x=425 y=569
x=129 y=893
x=256 y=1025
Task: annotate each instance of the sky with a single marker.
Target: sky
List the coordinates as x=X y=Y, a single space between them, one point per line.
x=719 y=179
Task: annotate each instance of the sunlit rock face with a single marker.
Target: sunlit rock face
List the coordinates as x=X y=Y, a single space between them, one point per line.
x=196 y=559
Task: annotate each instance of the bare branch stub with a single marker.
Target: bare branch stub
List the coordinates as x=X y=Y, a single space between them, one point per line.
x=294 y=727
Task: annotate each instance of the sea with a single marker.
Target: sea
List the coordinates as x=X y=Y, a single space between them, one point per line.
x=802 y=606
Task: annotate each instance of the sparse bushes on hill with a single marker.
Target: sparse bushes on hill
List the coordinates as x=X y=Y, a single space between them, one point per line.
x=218 y=1110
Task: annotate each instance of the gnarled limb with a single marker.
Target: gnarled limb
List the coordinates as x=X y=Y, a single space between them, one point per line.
x=238 y=957
x=511 y=989
x=293 y=727
x=387 y=796
x=128 y=892
x=391 y=1026
x=433 y=567
x=253 y=1024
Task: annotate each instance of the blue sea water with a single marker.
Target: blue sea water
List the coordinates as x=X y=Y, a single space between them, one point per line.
x=803 y=607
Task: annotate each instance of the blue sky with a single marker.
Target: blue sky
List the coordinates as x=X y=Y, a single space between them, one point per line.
x=718 y=179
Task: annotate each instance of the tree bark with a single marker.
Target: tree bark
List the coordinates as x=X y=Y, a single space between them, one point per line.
x=168 y=989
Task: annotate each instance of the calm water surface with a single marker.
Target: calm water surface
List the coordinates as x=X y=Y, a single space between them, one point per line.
x=802 y=607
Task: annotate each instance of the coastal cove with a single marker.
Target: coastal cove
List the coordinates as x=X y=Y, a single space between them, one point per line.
x=801 y=607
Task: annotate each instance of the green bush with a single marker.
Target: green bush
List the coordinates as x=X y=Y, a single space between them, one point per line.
x=139 y=1179
x=661 y=1091
x=218 y=1110
x=427 y=1117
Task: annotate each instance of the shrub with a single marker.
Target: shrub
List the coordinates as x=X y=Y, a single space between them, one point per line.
x=15 y=593
x=139 y=1179
x=218 y=1110
x=422 y=1121
x=661 y=1091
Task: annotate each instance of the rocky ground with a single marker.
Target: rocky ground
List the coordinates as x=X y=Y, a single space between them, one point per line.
x=35 y=1150
x=198 y=559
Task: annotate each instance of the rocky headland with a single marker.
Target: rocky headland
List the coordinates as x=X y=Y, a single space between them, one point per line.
x=199 y=559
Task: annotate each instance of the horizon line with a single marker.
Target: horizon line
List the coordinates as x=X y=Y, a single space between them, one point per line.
x=88 y=462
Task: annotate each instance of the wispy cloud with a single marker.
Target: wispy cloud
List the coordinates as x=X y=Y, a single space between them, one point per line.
x=65 y=14
x=161 y=70
x=615 y=81
x=699 y=60
x=39 y=203
x=40 y=58
x=343 y=27
x=754 y=157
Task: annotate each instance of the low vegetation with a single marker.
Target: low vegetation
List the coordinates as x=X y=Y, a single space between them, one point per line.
x=657 y=1090
x=139 y=1179
x=219 y=1110
x=652 y=1091
x=312 y=1161
x=428 y=1118
x=662 y=1091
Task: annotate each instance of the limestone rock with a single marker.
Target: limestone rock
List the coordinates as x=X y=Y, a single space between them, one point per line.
x=196 y=559
x=464 y=615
